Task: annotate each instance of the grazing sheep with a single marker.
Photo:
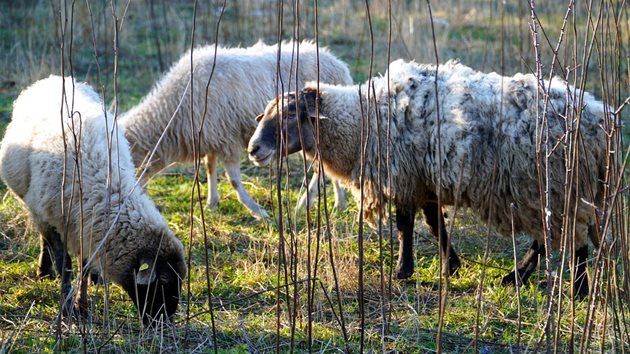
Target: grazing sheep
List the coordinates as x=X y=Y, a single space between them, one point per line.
x=242 y=81
x=484 y=151
x=93 y=205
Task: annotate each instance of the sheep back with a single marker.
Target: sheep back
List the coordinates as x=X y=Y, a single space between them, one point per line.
x=242 y=81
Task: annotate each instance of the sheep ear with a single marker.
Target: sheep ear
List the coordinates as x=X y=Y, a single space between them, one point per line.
x=146 y=273
x=395 y=87
x=260 y=117
x=308 y=101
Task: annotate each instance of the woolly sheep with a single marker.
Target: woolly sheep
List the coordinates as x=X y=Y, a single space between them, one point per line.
x=476 y=138
x=93 y=206
x=242 y=81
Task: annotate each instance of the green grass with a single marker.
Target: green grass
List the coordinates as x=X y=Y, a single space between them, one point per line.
x=243 y=264
x=254 y=309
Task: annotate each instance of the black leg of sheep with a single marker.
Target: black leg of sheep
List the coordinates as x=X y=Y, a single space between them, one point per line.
x=404 y=224
x=528 y=263
x=580 y=283
x=525 y=266
x=434 y=217
x=52 y=255
x=46 y=262
x=53 y=260
x=80 y=304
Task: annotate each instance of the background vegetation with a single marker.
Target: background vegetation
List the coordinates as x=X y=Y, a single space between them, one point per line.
x=256 y=275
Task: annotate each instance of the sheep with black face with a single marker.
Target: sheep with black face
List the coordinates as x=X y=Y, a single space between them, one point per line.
x=487 y=147
x=64 y=157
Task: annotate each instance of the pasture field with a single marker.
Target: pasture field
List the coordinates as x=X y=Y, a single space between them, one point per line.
x=292 y=284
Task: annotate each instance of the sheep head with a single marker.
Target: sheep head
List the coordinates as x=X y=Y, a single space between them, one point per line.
x=293 y=114
x=154 y=281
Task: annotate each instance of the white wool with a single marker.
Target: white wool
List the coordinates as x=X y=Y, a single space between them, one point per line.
x=242 y=81
x=32 y=158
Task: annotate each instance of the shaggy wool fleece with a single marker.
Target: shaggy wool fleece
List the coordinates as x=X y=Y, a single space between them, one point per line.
x=483 y=155
x=72 y=168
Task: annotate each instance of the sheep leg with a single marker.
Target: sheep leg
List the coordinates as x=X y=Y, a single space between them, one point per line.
x=580 y=282
x=404 y=223
x=433 y=215
x=94 y=276
x=66 y=288
x=52 y=254
x=311 y=193
x=340 y=195
x=63 y=264
x=46 y=264
x=211 y=171
x=525 y=266
x=233 y=172
x=80 y=299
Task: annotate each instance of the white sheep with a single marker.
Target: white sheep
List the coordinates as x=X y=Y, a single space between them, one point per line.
x=488 y=148
x=242 y=81
x=93 y=205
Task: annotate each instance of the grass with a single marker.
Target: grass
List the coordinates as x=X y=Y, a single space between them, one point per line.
x=255 y=307
x=243 y=264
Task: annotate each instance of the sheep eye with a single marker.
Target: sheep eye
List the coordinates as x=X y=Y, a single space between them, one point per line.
x=291 y=107
x=288 y=115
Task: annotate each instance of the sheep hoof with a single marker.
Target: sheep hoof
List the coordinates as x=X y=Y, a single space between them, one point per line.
x=510 y=279
x=404 y=273
x=73 y=310
x=453 y=265
x=45 y=266
x=339 y=206
x=96 y=278
x=301 y=205
x=46 y=273
x=580 y=290
x=522 y=273
x=261 y=215
x=213 y=204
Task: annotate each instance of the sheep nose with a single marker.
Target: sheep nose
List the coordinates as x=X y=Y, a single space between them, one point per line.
x=252 y=149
